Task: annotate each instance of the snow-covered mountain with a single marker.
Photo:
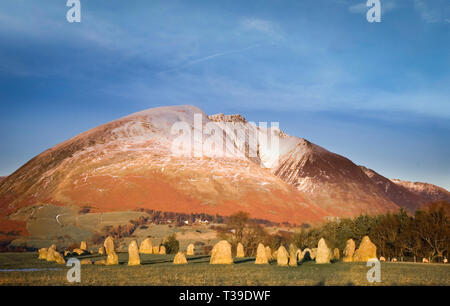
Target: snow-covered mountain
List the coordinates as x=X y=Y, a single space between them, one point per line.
x=397 y=193
x=428 y=192
x=129 y=164
x=332 y=180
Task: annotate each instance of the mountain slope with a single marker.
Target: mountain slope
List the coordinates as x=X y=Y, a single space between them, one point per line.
x=334 y=181
x=326 y=179
x=428 y=192
x=127 y=164
x=397 y=193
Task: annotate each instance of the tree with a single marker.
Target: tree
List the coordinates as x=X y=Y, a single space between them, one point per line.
x=171 y=244
x=239 y=228
x=433 y=228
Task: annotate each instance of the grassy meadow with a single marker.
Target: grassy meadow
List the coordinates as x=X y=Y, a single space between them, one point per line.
x=26 y=269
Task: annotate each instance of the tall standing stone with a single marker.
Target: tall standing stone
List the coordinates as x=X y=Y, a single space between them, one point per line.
x=190 y=250
x=112 y=258
x=221 y=253
x=133 y=254
x=282 y=256
x=146 y=246
x=162 y=249
x=349 y=251
x=268 y=253
x=179 y=259
x=292 y=248
x=323 y=252
x=83 y=246
x=261 y=255
x=299 y=255
x=109 y=245
x=293 y=258
x=240 y=250
x=367 y=250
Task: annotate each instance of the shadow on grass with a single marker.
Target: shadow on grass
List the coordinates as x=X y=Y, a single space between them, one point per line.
x=198 y=259
x=350 y=284
x=321 y=283
x=243 y=260
x=154 y=262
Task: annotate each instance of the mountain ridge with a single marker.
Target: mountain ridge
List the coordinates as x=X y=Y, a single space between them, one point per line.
x=127 y=164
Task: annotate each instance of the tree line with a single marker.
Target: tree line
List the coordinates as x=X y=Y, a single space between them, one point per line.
x=424 y=234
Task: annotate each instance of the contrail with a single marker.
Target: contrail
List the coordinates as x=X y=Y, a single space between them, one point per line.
x=207 y=58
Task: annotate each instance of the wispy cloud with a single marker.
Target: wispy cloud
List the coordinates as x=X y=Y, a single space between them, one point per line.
x=261 y=26
x=433 y=11
x=210 y=57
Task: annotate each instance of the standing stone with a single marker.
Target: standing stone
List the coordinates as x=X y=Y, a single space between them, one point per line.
x=268 y=253
x=109 y=245
x=366 y=250
x=282 y=256
x=112 y=258
x=162 y=250
x=83 y=245
x=156 y=249
x=336 y=254
x=293 y=258
x=349 y=251
x=299 y=255
x=240 y=250
x=43 y=253
x=323 y=252
x=146 y=246
x=190 y=250
x=221 y=253
x=180 y=259
x=51 y=253
x=58 y=258
x=261 y=255
x=133 y=254
x=101 y=250
x=292 y=248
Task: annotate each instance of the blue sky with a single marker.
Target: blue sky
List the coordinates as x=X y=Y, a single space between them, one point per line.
x=377 y=93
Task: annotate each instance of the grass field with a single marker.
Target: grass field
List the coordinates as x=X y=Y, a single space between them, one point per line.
x=159 y=270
